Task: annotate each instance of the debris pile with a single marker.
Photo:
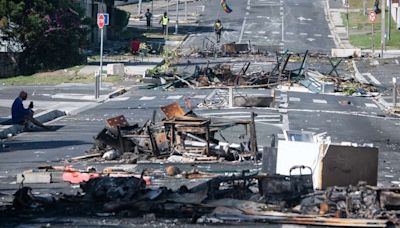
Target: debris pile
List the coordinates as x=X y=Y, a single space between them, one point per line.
x=222 y=199
x=318 y=73
x=360 y=201
x=180 y=137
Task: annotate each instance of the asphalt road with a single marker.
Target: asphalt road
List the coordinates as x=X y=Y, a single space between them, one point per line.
x=267 y=24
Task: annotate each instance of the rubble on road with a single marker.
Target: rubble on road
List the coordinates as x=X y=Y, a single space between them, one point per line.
x=318 y=73
x=180 y=137
x=222 y=199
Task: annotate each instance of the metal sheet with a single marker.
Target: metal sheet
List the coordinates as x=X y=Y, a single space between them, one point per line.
x=172 y=110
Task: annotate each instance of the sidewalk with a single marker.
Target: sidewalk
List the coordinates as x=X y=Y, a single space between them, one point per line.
x=336 y=23
x=159 y=7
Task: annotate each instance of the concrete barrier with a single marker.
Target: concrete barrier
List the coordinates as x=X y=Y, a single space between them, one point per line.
x=346 y=52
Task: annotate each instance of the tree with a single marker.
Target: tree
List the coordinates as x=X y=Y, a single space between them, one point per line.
x=49 y=32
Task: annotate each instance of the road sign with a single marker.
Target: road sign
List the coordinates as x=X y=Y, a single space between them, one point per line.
x=372 y=16
x=100 y=20
x=106 y=18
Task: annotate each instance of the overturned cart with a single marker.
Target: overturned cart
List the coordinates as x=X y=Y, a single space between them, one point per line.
x=179 y=137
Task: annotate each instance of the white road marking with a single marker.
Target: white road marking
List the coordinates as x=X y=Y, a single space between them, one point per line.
x=120 y=99
x=248 y=7
x=295 y=99
x=310 y=39
x=317 y=101
x=397 y=61
x=330 y=36
x=247 y=13
x=177 y=97
x=318 y=35
x=371 y=105
x=303 y=34
x=372 y=78
x=261 y=32
x=275 y=32
x=248 y=32
x=304 y=19
x=199 y=96
x=289 y=33
x=146 y=98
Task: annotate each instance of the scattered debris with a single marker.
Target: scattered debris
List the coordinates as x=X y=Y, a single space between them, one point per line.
x=222 y=199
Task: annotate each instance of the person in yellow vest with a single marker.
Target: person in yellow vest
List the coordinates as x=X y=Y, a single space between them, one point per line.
x=164 y=22
x=218 y=29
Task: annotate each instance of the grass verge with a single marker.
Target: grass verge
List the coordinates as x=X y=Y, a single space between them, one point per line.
x=56 y=77
x=360 y=30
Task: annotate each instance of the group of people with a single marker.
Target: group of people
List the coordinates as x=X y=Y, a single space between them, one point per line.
x=164 y=20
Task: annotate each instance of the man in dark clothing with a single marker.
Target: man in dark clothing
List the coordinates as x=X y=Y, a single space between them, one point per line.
x=21 y=115
x=148 y=16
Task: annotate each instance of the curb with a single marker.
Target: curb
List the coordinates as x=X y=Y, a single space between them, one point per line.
x=109 y=96
x=43 y=117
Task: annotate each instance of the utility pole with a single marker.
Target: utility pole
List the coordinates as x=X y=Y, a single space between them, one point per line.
x=166 y=32
x=383 y=27
x=389 y=19
x=177 y=16
x=347 y=17
x=365 y=7
x=185 y=10
x=140 y=7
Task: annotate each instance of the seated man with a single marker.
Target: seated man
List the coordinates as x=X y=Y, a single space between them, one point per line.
x=21 y=115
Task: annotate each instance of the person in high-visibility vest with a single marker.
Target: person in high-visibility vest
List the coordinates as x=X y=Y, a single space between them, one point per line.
x=164 y=22
x=218 y=29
